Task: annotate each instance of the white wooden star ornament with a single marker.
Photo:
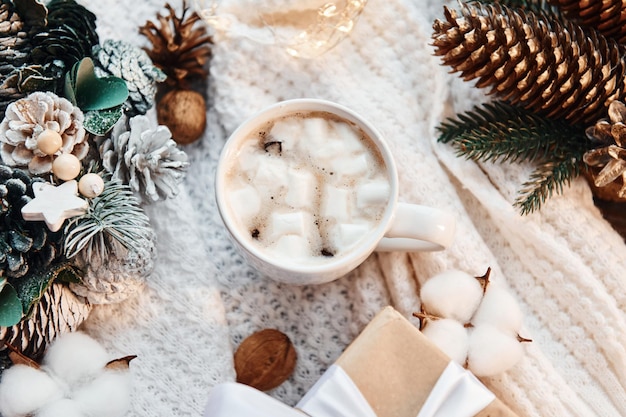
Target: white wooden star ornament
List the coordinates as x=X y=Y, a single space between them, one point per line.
x=54 y=205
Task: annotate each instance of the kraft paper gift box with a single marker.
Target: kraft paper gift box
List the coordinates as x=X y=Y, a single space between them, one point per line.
x=390 y=370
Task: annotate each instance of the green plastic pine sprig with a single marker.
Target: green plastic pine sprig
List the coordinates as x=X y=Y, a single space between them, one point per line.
x=500 y=132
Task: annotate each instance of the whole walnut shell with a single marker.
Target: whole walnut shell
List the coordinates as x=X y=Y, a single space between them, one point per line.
x=265 y=359
x=184 y=113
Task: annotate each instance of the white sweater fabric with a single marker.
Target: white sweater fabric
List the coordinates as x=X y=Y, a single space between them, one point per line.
x=565 y=265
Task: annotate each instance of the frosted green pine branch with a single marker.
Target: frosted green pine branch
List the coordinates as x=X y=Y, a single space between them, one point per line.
x=114 y=217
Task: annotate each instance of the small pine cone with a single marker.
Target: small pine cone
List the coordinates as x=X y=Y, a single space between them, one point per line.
x=608 y=158
x=132 y=64
x=608 y=16
x=178 y=46
x=17 y=26
x=26 y=118
x=69 y=35
x=59 y=311
x=145 y=158
x=532 y=60
x=116 y=276
x=23 y=245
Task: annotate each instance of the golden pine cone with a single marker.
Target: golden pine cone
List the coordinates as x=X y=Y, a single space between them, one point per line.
x=607 y=16
x=178 y=48
x=532 y=60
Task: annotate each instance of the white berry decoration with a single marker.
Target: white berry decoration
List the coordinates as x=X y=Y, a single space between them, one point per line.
x=452 y=294
x=91 y=185
x=66 y=167
x=49 y=141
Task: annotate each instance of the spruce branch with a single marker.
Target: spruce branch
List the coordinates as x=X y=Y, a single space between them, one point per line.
x=548 y=179
x=113 y=218
x=500 y=132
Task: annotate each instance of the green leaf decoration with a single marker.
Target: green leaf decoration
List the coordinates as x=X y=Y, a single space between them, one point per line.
x=100 y=122
x=88 y=92
x=32 y=286
x=500 y=132
x=10 y=305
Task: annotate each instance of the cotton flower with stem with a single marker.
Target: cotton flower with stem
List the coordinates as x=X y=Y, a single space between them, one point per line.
x=75 y=379
x=475 y=322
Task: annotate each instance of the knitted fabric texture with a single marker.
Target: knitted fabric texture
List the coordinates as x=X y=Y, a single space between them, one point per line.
x=564 y=264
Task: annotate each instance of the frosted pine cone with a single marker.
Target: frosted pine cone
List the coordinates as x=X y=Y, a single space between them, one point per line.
x=26 y=118
x=132 y=64
x=118 y=275
x=145 y=158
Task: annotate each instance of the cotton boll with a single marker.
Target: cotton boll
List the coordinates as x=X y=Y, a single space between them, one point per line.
x=75 y=356
x=107 y=396
x=61 y=408
x=450 y=336
x=491 y=351
x=452 y=294
x=500 y=309
x=23 y=390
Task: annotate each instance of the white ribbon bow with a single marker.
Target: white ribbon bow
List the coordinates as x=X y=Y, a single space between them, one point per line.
x=457 y=393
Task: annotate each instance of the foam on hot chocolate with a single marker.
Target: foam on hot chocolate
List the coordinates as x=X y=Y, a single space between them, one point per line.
x=308 y=186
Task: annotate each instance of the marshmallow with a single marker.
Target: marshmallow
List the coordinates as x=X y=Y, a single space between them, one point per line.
x=348 y=234
x=350 y=166
x=287 y=132
x=301 y=190
x=271 y=175
x=373 y=193
x=246 y=202
x=292 y=247
x=247 y=158
x=336 y=203
x=349 y=137
x=286 y=223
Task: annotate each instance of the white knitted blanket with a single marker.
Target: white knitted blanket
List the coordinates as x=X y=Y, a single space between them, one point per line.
x=564 y=264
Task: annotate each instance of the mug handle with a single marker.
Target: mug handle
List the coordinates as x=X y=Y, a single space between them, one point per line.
x=418 y=228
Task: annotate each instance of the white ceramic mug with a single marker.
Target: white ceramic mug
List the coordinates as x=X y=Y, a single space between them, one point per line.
x=403 y=226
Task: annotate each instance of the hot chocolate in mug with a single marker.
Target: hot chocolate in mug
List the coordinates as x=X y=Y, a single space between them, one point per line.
x=308 y=189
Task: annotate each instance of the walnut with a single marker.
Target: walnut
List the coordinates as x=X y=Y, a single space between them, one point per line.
x=265 y=359
x=184 y=113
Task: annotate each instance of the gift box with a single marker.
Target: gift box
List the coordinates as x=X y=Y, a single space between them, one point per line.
x=390 y=370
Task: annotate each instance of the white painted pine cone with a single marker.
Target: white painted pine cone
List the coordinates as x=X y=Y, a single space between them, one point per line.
x=26 y=118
